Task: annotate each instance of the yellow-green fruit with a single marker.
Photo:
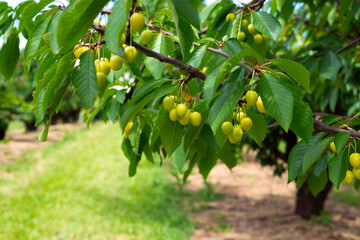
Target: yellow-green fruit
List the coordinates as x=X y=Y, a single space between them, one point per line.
x=77 y=51
x=356 y=172
x=230 y=16
x=265 y=37
x=260 y=105
x=231 y=139
x=204 y=70
x=244 y=23
x=227 y=128
x=116 y=62
x=355 y=160
x=105 y=67
x=101 y=79
x=332 y=147
x=130 y=54
x=172 y=115
x=251 y=29
x=240 y=116
x=146 y=37
x=195 y=119
x=349 y=177
x=185 y=120
x=258 y=39
x=104 y=59
x=181 y=110
x=129 y=127
x=246 y=124
x=237 y=133
x=241 y=36
x=168 y=102
x=122 y=40
x=251 y=98
x=137 y=22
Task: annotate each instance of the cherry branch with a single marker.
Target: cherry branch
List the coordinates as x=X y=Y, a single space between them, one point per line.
x=322 y=127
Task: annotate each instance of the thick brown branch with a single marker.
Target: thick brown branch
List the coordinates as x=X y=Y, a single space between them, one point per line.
x=333 y=130
x=162 y=58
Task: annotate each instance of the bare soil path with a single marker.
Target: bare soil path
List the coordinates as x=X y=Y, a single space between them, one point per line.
x=258 y=206
x=18 y=142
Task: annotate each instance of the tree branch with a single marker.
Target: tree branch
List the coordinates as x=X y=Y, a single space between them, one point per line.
x=322 y=127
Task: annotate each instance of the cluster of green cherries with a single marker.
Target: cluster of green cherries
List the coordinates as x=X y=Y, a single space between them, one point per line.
x=354 y=160
x=180 y=112
x=241 y=120
x=258 y=38
x=103 y=65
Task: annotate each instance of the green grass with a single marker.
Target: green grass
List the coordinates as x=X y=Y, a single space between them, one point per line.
x=78 y=188
x=15 y=125
x=348 y=195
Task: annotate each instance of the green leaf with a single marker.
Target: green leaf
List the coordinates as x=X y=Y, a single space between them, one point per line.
x=134 y=108
x=330 y=65
x=9 y=54
x=250 y=51
x=337 y=168
x=267 y=24
x=317 y=183
x=295 y=70
x=45 y=64
x=154 y=66
x=39 y=113
x=296 y=157
x=278 y=101
x=207 y=162
x=236 y=26
x=143 y=90
x=209 y=86
x=259 y=129
x=34 y=40
x=197 y=55
x=45 y=131
x=113 y=110
x=64 y=66
x=183 y=29
x=227 y=156
x=179 y=157
x=340 y=141
x=116 y=24
x=192 y=132
x=170 y=132
x=95 y=112
x=186 y=10
x=313 y=153
x=230 y=94
x=30 y=11
x=75 y=22
x=84 y=80
x=302 y=123
x=321 y=165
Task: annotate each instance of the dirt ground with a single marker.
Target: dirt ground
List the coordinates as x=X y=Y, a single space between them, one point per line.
x=251 y=203
x=258 y=206
x=18 y=142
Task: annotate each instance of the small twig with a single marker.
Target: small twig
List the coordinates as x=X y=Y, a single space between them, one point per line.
x=333 y=130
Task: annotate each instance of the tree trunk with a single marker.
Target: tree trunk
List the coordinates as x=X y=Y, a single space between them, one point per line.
x=308 y=205
x=30 y=125
x=3 y=131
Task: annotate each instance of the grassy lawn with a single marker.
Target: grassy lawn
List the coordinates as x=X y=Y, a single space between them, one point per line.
x=78 y=188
